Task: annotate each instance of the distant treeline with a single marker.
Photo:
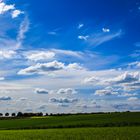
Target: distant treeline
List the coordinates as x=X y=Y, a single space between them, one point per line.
x=20 y=114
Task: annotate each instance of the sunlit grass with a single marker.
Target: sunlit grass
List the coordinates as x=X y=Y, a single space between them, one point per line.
x=108 y=133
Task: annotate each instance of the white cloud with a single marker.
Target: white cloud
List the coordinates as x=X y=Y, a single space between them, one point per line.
x=5 y=8
x=80 y=26
x=74 y=66
x=134 y=65
x=85 y=38
x=7 y=54
x=99 y=39
x=91 y=80
x=40 y=55
x=2 y=78
x=105 y=92
x=133 y=99
x=105 y=30
x=77 y=54
x=41 y=91
x=63 y=100
x=16 y=13
x=24 y=27
x=5 y=98
x=127 y=77
x=42 y=67
x=9 y=8
x=68 y=91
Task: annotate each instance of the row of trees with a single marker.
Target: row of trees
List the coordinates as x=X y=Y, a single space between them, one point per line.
x=20 y=114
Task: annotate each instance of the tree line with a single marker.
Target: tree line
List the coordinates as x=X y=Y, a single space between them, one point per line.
x=20 y=114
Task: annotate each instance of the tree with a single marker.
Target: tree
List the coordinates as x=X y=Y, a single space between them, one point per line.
x=1 y=114
x=7 y=114
x=13 y=114
x=19 y=114
x=46 y=114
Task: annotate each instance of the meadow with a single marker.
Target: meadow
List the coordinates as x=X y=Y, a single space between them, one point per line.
x=109 y=133
x=73 y=121
x=110 y=126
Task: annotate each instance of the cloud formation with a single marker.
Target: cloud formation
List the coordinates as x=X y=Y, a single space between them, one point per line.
x=9 y=8
x=106 y=30
x=63 y=100
x=24 y=27
x=40 y=55
x=53 y=66
x=41 y=91
x=5 y=98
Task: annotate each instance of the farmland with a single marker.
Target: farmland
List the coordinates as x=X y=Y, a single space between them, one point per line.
x=109 y=126
x=109 y=133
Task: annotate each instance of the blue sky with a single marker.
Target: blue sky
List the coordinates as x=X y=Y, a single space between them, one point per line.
x=69 y=56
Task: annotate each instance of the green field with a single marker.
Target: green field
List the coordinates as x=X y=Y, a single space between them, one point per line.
x=111 y=126
x=73 y=121
x=114 y=133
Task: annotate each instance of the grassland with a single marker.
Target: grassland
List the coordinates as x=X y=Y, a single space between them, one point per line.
x=109 y=133
x=73 y=121
x=114 y=126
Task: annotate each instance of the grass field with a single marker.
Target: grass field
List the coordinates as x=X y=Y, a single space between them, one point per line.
x=108 y=133
x=114 y=126
x=73 y=121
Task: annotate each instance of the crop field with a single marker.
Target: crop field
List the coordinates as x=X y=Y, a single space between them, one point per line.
x=73 y=121
x=110 y=126
x=108 y=133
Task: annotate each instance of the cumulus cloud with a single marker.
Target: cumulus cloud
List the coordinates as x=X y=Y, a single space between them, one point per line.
x=105 y=92
x=75 y=66
x=42 y=67
x=41 y=91
x=7 y=54
x=5 y=8
x=127 y=77
x=16 y=13
x=63 y=100
x=40 y=55
x=66 y=91
x=5 y=98
x=9 y=7
x=91 y=80
x=53 y=66
x=61 y=91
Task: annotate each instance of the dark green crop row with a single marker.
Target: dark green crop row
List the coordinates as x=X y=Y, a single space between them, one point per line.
x=73 y=121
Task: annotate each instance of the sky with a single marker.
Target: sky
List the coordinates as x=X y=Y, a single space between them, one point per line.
x=69 y=56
